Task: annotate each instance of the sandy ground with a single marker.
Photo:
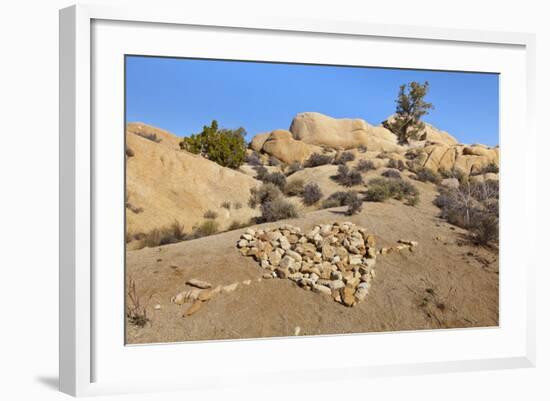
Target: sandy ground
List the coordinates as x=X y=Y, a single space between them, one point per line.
x=444 y=283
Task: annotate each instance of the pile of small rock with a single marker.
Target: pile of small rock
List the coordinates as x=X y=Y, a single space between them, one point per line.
x=334 y=259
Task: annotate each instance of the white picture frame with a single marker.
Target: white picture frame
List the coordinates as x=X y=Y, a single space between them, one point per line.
x=79 y=215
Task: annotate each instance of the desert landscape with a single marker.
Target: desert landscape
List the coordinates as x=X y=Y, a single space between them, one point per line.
x=332 y=226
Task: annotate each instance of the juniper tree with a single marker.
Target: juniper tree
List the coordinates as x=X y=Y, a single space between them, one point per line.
x=411 y=107
x=223 y=146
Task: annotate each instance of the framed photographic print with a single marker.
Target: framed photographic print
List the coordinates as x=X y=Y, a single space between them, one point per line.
x=283 y=199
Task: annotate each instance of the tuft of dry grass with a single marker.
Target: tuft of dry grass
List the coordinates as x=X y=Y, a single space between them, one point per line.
x=136 y=308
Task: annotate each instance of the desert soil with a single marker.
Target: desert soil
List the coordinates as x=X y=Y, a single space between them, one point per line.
x=444 y=283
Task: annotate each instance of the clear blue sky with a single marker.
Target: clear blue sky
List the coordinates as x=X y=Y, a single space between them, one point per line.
x=182 y=95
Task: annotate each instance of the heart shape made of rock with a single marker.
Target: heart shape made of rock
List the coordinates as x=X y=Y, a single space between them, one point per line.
x=335 y=259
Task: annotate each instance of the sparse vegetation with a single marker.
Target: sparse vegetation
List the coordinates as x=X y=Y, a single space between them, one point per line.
x=163 y=236
x=294 y=187
x=265 y=193
x=381 y=189
x=275 y=178
x=210 y=214
x=473 y=206
x=411 y=107
x=365 y=165
x=136 y=308
x=347 y=177
x=425 y=174
x=317 y=159
x=340 y=198
x=223 y=146
x=344 y=158
x=237 y=205
x=277 y=209
x=396 y=164
x=209 y=227
x=362 y=149
x=273 y=161
x=392 y=173
x=253 y=159
x=453 y=173
x=355 y=204
x=293 y=167
x=490 y=168
x=152 y=137
x=129 y=152
x=226 y=205
x=236 y=224
x=131 y=207
x=311 y=194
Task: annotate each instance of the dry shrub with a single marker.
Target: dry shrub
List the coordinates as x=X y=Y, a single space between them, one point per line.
x=396 y=164
x=317 y=159
x=365 y=165
x=150 y=136
x=311 y=194
x=344 y=158
x=163 y=236
x=427 y=175
x=265 y=193
x=292 y=168
x=347 y=177
x=277 y=209
x=253 y=159
x=340 y=198
x=294 y=187
x=209 y=227
x=473 y=206
x=210 y=214
x=226 y=205
x=392 y=173
x=381 y=189
x=136 y=308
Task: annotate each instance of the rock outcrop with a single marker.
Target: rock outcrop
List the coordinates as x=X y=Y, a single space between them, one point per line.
x=284 y=147
x=165 y=184
x=321 y=130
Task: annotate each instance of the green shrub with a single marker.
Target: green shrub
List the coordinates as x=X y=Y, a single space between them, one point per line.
x=427 y=175
x=277 y=209
x=317 y=159
x=294 y=187
x=365 y=165
x=223 y=146
x=265 y=193
x=311 y=194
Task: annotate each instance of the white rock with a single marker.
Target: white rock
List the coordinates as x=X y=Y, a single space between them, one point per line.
x=321 y=289
x=336 y=284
